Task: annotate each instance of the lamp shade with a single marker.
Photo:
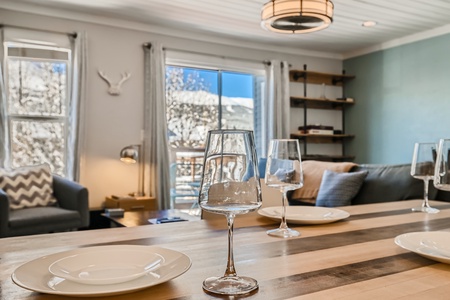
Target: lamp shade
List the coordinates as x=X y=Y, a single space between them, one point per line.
x=130 y=154
x=297 y=16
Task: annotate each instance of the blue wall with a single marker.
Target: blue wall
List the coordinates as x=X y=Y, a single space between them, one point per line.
x=402 y=96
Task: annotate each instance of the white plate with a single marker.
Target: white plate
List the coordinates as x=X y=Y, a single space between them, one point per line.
x=305 y=214
x=434 y=245
x=35 y=276
x=106 y=266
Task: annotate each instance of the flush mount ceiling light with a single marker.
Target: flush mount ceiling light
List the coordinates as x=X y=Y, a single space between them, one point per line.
x=297 y=16
x=369 y=23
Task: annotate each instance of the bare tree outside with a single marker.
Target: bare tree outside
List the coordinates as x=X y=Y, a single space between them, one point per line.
x=191 y=109
x=37 y=112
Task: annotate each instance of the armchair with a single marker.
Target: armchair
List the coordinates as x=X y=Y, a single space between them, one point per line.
x=71 y=212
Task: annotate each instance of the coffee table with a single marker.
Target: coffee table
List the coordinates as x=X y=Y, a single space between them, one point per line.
x=149 y=217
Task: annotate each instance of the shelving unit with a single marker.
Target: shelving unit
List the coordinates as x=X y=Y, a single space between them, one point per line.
x=309 y=77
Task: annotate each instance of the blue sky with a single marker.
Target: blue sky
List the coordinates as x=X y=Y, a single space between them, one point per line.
x=234 y=84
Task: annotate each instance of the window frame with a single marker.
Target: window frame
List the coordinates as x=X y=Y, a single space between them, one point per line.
x=63 y=118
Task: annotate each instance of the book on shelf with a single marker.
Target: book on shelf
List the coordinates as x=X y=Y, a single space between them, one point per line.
x=317 y=126
x=317 y=131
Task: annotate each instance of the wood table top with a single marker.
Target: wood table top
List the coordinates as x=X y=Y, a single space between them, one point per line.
x=355 y=258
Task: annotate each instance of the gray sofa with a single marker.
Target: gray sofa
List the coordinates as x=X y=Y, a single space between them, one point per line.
x=71 y=212
x=386 y=183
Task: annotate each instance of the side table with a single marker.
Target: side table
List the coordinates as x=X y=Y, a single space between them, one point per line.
x=131 y=203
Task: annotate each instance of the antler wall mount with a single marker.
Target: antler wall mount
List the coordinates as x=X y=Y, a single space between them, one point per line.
x=114 y=88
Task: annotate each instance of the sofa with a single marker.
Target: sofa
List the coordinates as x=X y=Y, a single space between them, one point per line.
x=69 y=213
x=379 y=183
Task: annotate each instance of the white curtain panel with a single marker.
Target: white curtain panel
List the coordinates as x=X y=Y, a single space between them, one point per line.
x=155 y=125
x=76 y=134
x=3 y=122
x=276 y=104
x=4 y=139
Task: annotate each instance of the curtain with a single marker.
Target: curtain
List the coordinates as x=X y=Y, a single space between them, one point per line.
x=77 y=112
x=3 y=122
x=276 y=107
x=155 y=125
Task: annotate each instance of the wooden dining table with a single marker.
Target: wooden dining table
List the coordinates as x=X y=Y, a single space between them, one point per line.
x=354 y=258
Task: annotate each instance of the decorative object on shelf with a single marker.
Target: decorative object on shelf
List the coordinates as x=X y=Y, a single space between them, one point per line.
x=297 y=16
x=135 y=154
x=322 y=96
x=114 y=88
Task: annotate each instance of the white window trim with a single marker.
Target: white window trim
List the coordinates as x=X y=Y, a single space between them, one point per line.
x=213 y=62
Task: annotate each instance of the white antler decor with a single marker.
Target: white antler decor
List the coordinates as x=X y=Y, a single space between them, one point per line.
x=114 y=88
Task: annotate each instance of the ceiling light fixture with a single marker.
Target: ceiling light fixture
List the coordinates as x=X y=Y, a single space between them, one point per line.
x=297 y=16
x=369 y=23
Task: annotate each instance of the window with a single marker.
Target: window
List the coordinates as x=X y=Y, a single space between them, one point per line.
x=36 y=105
x=199 y=100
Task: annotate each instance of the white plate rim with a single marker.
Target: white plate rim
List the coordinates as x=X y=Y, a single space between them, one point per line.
x=411 y=241
x=175 y=264
x=336 y=214
x=132 y=254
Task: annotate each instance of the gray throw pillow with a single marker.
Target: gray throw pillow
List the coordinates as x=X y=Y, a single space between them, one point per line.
x=338 y=189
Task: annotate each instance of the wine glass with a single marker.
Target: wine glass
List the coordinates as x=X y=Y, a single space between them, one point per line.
x=284 y=172
x=422 y=167
x=442 y=170
x=230 y=186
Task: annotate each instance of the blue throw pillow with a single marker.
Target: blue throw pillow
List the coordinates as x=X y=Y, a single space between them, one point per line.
x=262 y=167
x=338 y=189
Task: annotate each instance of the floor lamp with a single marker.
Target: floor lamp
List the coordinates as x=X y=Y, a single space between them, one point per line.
x=135 y=154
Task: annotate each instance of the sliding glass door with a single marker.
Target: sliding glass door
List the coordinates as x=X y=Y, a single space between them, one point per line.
x=199 y=100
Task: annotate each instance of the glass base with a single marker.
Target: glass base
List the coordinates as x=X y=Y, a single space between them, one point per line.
x=283 y=232
x=425 y=209
x=230 y=285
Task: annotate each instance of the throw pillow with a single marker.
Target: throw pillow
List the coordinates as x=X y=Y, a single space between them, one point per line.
x=312 y=177
x=338 y=189
x=28 y=186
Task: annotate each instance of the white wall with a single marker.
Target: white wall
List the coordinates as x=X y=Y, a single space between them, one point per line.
x=113 y=122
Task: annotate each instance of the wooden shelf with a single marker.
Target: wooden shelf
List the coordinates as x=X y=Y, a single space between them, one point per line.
x=318 y=78
x=310 y=77
x=319 y=103
x=322 y=138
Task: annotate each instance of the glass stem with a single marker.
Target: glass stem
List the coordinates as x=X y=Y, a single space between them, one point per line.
x=230 y=271
x=425 y=193
x=283 y=224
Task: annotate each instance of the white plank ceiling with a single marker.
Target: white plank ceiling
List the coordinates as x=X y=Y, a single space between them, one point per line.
x=240 y=20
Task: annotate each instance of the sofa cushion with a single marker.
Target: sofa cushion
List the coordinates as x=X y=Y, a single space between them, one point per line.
x=338 y=189
x=28 y=186
x=44 y=216
x=386 y=183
